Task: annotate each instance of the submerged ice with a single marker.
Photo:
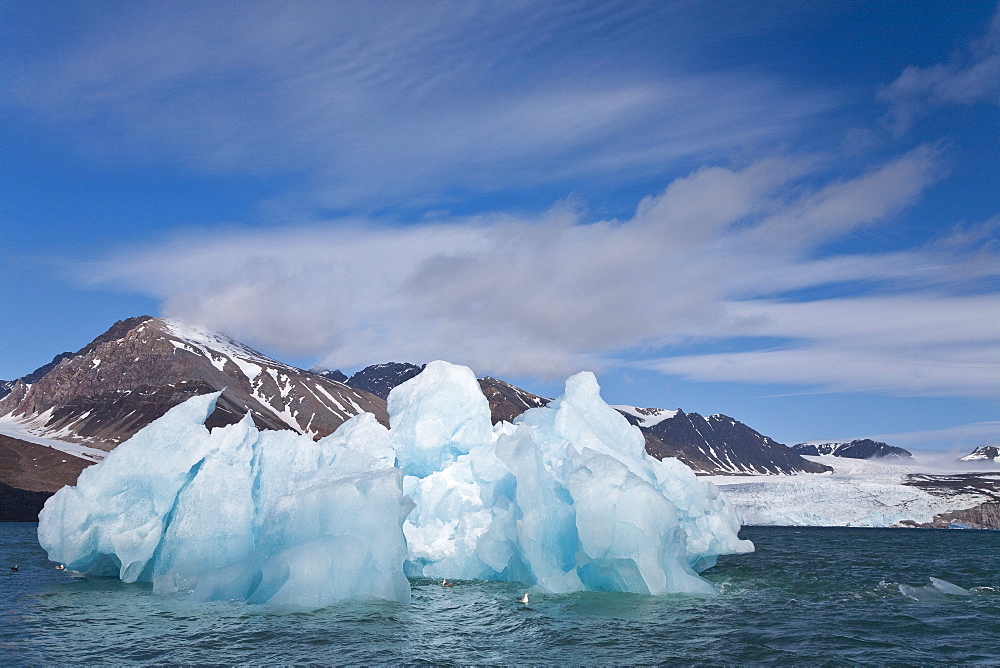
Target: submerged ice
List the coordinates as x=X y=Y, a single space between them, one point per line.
x=564 y=499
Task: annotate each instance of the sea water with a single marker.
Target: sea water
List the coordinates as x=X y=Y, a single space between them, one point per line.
x=806 y=596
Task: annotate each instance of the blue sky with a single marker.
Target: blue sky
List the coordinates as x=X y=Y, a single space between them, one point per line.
x=786 y=212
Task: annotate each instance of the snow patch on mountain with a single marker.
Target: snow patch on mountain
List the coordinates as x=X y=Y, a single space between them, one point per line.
x=986 y=453
x=647 y=417
x=21 y=431
x=217 y=348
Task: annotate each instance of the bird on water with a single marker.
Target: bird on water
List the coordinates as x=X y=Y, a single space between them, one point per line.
x=523 y=599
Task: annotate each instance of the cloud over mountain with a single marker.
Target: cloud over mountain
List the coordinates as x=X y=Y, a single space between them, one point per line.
x=718 y=254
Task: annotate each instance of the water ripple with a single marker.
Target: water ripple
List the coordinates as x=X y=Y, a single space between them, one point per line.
x=817 y=597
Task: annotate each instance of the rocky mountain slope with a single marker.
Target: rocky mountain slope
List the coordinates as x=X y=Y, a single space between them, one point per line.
x=134 y=372
x=379 y=379
x=7 y=385
x=861 y=448
x=508 y=401
x=716 y=444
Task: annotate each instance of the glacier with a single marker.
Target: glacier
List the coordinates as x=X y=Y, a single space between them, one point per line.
x=858 y=492
x=564 y=499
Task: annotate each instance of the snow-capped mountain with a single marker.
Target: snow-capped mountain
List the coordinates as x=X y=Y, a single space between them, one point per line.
x=716 y=444
x=713 y=445
x=379 y=379
x=985 y=453
x=82 y=404
x=861 y=448
x=134 y=372
x=335 y=374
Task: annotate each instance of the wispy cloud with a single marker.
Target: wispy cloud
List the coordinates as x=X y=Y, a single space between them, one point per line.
x=971 y=76
x=383 y=104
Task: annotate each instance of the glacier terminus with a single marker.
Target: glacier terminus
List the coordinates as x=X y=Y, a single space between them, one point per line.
x=563 y=499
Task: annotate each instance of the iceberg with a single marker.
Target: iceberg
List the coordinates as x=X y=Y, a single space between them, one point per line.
x=567 y=499
x=564 y=499
x=235 y=513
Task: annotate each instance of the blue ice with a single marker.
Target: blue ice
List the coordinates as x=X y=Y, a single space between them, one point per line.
x=565 y=499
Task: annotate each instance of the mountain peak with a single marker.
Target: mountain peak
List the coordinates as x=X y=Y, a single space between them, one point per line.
x=379 y=379
x=860 y=448
x=984 y=453
x=140 y=367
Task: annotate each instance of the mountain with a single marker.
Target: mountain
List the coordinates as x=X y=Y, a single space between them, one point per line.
x=67 y=414
x=508 y=401
x=379 y=379
x=336 y=374
x=984 y=453
x=716 y=444
x=861 y=448
x=7 y=385
x=140 y=367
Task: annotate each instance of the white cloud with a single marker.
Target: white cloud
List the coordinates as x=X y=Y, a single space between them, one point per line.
x=552 y=294
x=841 y=206
x=948 y=369
x=371 y=106
x=971 y=76
x=913 y=344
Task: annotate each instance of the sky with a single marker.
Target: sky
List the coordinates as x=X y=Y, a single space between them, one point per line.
x=785 y=212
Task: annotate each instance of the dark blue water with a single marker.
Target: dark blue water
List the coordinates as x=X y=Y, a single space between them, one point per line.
x=807 y=596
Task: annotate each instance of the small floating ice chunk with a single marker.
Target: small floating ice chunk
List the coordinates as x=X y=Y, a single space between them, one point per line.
x=949 y=588
x=937 y=590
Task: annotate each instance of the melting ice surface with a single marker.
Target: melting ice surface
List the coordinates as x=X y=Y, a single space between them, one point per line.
x=564 y=499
